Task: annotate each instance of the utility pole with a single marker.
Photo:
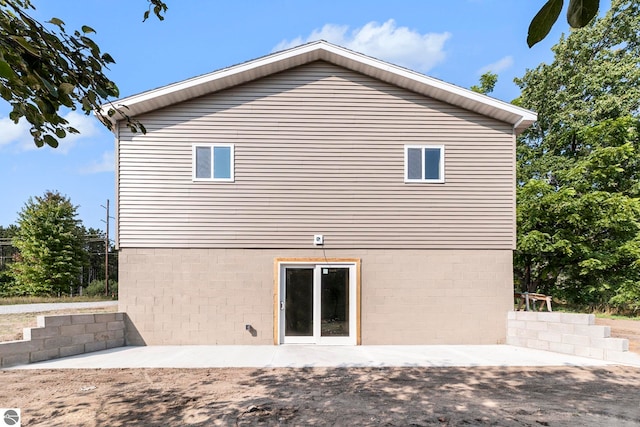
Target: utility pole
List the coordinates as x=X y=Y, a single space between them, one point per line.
x=106 y=252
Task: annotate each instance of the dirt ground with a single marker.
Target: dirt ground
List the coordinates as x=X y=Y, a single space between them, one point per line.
x=562 y=396
x=621 y=328
x=558 y=396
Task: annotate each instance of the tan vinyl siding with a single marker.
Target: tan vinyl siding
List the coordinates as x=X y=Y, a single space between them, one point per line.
x=318 y=150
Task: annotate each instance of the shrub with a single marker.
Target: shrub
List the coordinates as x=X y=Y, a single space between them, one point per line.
x=96 y=288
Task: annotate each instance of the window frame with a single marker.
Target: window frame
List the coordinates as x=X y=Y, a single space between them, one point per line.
x=422 y=147
x=212 y=146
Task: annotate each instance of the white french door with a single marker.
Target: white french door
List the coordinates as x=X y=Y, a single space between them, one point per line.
x=317 y=304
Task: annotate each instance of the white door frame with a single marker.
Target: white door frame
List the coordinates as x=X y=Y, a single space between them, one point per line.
x=354 y=301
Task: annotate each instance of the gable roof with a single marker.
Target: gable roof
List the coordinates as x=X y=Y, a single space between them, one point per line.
x=209 y=83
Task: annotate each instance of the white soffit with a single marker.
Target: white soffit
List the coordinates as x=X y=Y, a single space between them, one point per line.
x=205 y=84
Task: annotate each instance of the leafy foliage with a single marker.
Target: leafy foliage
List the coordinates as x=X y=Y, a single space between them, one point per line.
x=595 y=76
x=50 y=242
x=578 y=185
x=93 y=268
x=579 y=14
x=487 y=83
x=7 y=254
x=93 y=264
x=159 y=7
x=44 y=69
x=578 y=238
x=96 y=288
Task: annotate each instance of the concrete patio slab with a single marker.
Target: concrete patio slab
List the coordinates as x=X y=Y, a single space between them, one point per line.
x=301 y=356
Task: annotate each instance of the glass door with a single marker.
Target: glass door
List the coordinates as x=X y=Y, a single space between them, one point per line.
x=317 y=304
x=298 y=305
x=334 y=302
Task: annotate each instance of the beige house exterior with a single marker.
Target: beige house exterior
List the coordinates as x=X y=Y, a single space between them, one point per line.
x=316 y=195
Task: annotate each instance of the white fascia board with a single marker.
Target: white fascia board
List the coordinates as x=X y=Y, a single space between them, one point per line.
x=166 y=91
x=321 y=50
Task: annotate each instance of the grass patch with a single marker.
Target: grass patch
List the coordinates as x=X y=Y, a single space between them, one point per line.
x=616 y=316
x=48 y=300
x=601 y=311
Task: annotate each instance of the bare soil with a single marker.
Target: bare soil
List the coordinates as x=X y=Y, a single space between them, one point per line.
x=622 y=328
x=556 y=396
x=561 y=396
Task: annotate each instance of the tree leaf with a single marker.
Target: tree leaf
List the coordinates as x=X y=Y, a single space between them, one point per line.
x=543 y=21
x=86 y=29
x=66 y=88
x=50 y=88
x=51 y=141
x=581 y=12
x=45 y=106
x=56 y=21
x=26 y=45
x=95 y=50
x=102 y=93
x=108 y=58
x=6 y=71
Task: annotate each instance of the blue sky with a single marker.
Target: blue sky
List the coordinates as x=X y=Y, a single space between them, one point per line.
x=454 y=40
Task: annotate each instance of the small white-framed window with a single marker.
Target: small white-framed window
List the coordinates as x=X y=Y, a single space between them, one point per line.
x=424 y=163
x=213 y=162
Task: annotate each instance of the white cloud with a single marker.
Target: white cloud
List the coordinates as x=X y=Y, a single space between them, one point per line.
x=14 y=133
x=87 y=125
x=105 y=164
x=387 y=41
x=498 y=66
x=18 y=136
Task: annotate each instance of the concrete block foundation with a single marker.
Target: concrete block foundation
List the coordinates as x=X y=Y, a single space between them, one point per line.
x=408 y=296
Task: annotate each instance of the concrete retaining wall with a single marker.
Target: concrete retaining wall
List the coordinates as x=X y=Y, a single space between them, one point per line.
x=568 y=333
x=65 y=335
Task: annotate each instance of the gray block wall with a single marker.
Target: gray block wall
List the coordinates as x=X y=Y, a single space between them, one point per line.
x=568 y=333
x=64 y=335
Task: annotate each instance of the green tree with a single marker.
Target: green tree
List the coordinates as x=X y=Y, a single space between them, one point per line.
x=50 y=242
x=595 y=76
x=44 y=68
x=577 y=167
x=93 y=268
x=487 y=83
x=7 y=254
x=578 y=237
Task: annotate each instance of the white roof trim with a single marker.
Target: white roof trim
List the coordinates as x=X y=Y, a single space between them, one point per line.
x=174 y=93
